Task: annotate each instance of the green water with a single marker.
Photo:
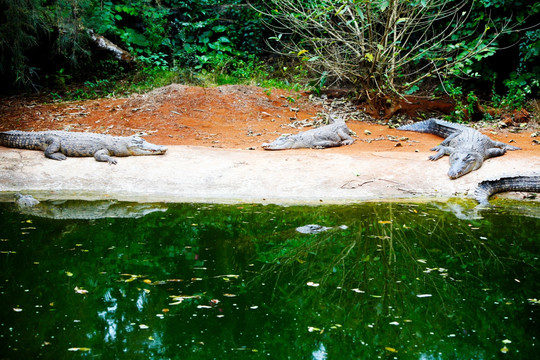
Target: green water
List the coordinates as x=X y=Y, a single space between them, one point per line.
x=192 y=281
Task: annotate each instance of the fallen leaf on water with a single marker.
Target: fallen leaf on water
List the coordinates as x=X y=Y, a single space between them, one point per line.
x=234 y=276
x=147 y=281
x=179 y=298
x=315 y=329
x=79 y=290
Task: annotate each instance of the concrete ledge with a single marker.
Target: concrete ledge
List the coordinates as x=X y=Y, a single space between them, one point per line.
x=201 y=174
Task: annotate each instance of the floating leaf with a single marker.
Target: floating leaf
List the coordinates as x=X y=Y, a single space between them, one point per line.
x=179 y=298
x=79 y=290
x=314 y=329
x=234 y=276
x=147 y=281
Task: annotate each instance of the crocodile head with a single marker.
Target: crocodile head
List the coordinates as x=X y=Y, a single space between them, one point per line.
x=463 y=162
x=281 y=143
x=139 y=146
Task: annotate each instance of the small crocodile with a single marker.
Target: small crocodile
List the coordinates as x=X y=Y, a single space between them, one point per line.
x=509 y=183
x=81 y=209
x=332 y=135
x=467 y=148
x=59 y=144
x=24 y=201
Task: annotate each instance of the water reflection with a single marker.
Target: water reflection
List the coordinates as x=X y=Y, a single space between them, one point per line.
x=199 y=281
x=109 y=316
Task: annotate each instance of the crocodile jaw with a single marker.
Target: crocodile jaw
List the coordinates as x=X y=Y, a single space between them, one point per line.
x=138 y=146
x=462 y=163
x=281 y=143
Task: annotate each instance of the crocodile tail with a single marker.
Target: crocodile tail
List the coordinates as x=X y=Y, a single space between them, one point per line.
x=433 y=126
x=21 y=139
x=512 y=183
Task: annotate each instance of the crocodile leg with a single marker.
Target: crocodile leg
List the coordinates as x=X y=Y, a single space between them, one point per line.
x=104 y=155
x=505 y=146
x=441 y=151
x=346 y=139
x=53 y=149
x=321 y=144
x=493 y=152
x=451 y=137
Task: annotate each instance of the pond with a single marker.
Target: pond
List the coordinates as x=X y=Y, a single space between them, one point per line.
x=194 y=281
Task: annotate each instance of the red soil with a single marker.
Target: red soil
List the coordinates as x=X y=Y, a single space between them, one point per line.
x=226 y=117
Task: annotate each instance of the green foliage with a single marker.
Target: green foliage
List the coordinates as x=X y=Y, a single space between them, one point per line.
x=166 y=35
x=465 y=106
x=510 y=63
x=22 y=22
x=47 y=43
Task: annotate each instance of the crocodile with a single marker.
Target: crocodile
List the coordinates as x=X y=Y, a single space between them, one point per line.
x=509 y=183
x=332 y=135
x=89 y=210
x=24 y=201
x=59 y=144
x=467 y=148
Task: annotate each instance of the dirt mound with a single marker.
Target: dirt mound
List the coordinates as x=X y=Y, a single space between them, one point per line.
x=155 y=98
